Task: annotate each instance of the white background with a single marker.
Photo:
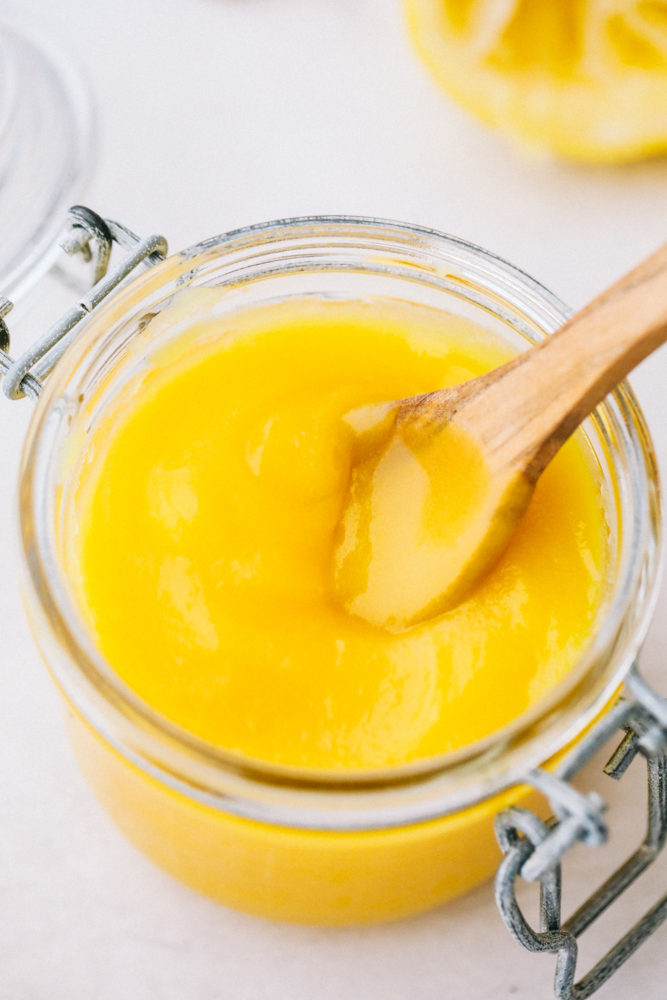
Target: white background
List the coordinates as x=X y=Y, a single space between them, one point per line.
x=212 y=114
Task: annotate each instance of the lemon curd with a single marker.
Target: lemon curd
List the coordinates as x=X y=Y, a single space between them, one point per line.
x=206 y=506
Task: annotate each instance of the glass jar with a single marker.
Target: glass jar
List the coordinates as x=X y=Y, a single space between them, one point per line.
x=280 y=842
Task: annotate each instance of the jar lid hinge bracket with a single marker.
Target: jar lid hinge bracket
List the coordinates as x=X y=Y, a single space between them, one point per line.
x=92 y=237
x=533 y=849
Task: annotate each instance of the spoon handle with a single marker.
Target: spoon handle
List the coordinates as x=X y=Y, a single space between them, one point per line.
x=523 y=412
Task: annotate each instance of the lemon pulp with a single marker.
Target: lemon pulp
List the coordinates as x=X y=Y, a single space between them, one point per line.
x=583 y=78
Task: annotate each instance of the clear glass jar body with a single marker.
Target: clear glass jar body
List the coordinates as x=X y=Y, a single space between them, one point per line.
x=289 y=844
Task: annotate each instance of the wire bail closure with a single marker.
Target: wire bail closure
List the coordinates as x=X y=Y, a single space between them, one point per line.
x=533 y=849
x=93 y=237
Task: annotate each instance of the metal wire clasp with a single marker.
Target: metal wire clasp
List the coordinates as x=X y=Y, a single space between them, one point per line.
x=533 y=849
x=93 y=237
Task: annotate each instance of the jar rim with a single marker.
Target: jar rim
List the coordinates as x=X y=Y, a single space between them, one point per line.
x=370 y=798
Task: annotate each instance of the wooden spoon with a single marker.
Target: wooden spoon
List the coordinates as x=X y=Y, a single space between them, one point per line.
x=441 y=481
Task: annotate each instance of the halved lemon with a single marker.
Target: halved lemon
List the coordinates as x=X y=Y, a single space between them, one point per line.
x=586 y=79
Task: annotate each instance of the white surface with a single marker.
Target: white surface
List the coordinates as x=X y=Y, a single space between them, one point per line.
x=213 y=114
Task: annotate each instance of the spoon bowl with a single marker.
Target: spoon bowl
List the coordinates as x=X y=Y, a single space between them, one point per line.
x=441 y=481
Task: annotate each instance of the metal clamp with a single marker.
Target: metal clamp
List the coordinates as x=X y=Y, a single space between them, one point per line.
x=93 y=237
x=533 y=849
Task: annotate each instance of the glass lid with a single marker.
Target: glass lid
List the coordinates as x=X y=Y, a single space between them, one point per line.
x=45 y=149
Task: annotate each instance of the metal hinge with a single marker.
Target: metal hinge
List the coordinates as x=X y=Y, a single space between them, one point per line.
x=93 y=237
x=533 y=849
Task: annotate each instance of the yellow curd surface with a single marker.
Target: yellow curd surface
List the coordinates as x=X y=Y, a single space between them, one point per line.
x=207 y=507
x=198 y=527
